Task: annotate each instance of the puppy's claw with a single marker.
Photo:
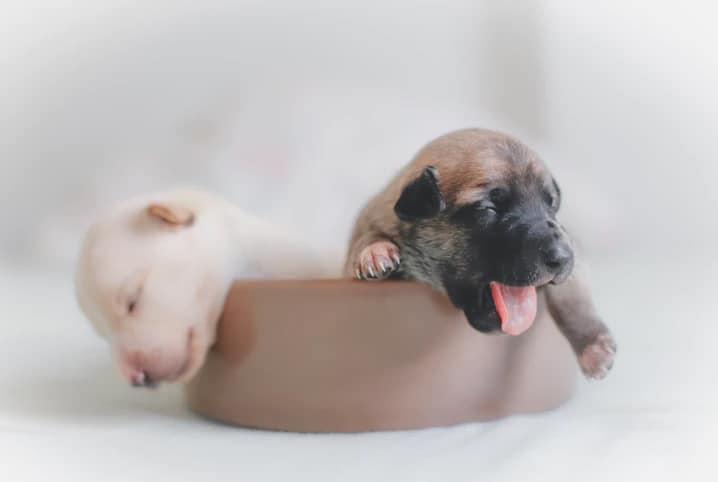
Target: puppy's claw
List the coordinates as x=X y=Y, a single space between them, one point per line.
x=396 y=259
x=378 y=260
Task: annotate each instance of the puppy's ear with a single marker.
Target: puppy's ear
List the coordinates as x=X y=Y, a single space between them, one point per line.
x=171 y=213
x=421 y=198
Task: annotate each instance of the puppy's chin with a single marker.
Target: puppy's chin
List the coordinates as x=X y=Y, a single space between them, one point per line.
x=199 y=343
x=489 y=323
x=562 y=276
x=194 y=363
x=483 y=316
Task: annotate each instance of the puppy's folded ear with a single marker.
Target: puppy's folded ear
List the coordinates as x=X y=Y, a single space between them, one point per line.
x=171 y=213
x=421 y=198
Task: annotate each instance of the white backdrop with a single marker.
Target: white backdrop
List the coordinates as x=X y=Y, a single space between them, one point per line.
x=298 y=111
x=293 y=108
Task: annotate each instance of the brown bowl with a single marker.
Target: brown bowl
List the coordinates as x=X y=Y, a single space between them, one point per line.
x=350 y=356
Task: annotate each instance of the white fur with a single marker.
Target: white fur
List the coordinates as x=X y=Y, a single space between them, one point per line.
x=178 y=275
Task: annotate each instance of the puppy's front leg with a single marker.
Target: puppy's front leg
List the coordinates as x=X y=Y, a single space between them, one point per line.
x=372 y=257
x=571 y=305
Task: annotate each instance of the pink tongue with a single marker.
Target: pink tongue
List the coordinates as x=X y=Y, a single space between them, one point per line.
x=516 y=307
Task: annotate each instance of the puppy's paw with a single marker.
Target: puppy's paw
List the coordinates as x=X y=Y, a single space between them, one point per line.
x=377 y=261
x=597 y=358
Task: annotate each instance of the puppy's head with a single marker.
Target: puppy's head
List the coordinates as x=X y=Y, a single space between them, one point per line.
x=148 y=279
x=483 y=207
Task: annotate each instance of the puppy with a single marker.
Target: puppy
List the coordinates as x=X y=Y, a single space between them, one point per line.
x=153 y=274
x=474 y=215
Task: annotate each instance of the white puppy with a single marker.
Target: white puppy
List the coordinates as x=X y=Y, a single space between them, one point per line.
x=154 y=272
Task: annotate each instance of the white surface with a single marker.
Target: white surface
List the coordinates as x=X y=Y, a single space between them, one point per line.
x=65 y=415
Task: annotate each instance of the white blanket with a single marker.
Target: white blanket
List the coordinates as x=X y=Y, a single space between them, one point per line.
x=65 y=415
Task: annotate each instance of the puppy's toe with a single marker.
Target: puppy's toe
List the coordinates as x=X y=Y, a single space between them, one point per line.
x=596 y=359
x=377 y=261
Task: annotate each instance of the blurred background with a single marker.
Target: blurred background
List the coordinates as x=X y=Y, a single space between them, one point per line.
x=299 y=111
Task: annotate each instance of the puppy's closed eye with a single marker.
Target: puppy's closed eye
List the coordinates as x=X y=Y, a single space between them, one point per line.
x=485 y=206
x=131 y=305
x=133 y=301
x=496 y=201
x=127 y=298
x=485 y=211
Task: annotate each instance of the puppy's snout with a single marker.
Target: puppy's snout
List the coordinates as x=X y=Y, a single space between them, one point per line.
x=557 y=256
x=142 y=378
x=150 y=364
x=555 y=252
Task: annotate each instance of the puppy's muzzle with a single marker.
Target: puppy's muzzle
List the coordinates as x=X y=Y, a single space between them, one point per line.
x=142 y=378
x=556 y=252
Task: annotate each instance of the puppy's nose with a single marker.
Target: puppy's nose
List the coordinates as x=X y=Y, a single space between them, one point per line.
x=557 y=256
x=141 y=378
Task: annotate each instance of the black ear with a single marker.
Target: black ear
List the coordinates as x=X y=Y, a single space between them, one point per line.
x=421 y=198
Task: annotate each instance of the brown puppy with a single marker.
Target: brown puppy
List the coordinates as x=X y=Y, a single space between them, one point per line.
x=474 y=215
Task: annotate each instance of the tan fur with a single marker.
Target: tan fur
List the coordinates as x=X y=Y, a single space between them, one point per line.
x=466 y=160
